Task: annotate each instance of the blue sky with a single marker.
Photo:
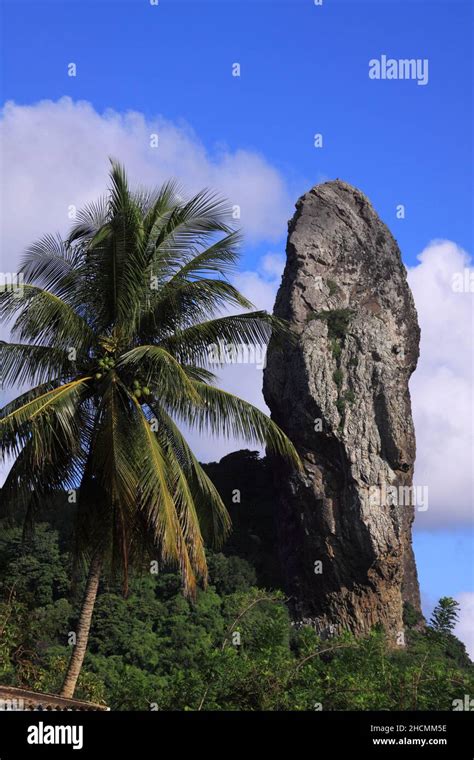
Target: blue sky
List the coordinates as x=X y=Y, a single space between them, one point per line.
x=304 y=70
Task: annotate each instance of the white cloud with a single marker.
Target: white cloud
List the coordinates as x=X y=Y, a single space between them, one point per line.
x=441 y=387
x=273 y=265
x=55 y=154
x=260 y=286
x=464 y=629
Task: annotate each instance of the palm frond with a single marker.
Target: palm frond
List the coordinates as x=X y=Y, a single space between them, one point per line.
x=50 y=420
x=24 y=364
x=160 y=369
x=31 y=478
x=181 y=306
x=222 y=413
x=44 y=318
x=199 y=342
x=90 y=219
x=156 y=499
x=221 y=258
x=52 y=265
x=212 y=513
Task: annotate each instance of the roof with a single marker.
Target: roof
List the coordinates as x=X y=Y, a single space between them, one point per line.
x=13 y=698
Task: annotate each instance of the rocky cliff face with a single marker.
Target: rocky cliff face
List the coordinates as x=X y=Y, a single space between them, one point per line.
x=341 y=393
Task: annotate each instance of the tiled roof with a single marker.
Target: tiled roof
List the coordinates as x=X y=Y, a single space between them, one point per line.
x=13 y=698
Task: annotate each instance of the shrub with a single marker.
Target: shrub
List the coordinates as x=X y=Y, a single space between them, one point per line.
x=337 y=320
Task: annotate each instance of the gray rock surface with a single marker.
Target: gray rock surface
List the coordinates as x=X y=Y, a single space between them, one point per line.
x=341 y=393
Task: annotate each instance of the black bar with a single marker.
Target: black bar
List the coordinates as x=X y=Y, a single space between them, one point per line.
x=308 y=735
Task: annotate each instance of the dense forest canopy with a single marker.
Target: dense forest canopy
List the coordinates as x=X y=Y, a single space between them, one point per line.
x=234 y=648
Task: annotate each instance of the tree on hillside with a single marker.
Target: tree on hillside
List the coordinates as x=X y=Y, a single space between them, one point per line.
x=445 y=615
x=112 y=334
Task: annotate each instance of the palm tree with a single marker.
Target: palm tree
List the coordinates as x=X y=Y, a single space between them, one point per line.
x=113 y=331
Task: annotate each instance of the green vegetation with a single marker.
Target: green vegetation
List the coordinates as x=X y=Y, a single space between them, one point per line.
x=445 y=615
x=336 y=348
x=157 y=650
x=338 y=321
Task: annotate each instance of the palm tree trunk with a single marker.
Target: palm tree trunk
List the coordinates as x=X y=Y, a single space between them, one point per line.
x=83 y=628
